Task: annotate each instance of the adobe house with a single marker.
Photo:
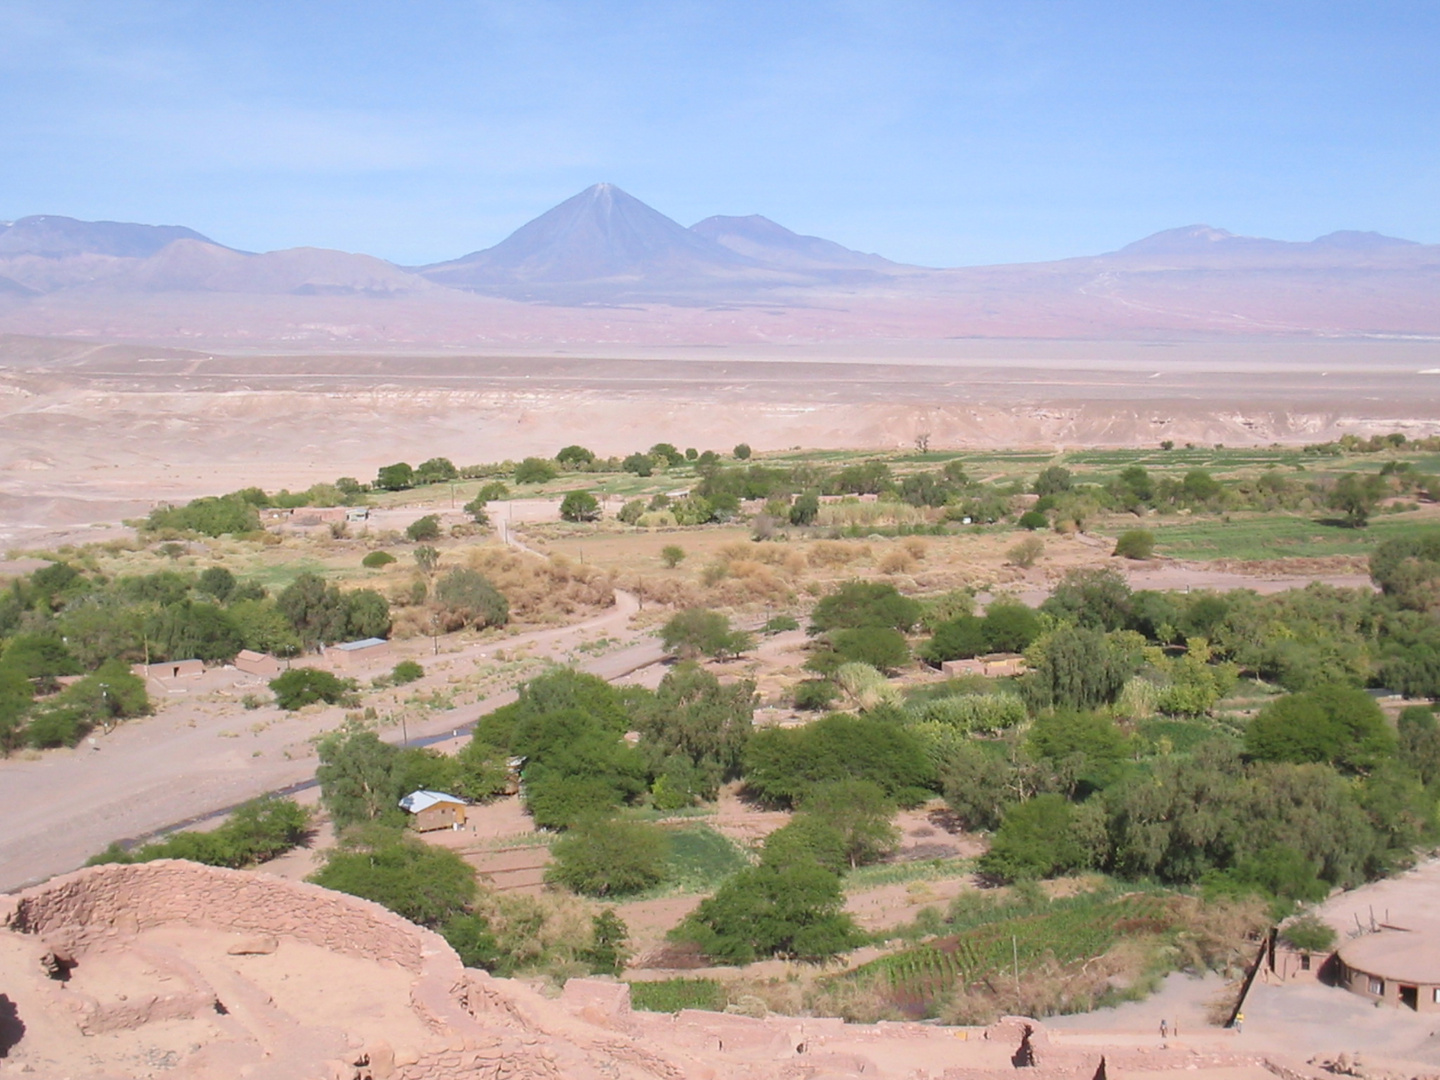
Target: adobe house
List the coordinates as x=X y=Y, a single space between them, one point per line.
x=1397 y=965
x=257 y=663
x=350 y=655
x=170 y=669
x=431 y=810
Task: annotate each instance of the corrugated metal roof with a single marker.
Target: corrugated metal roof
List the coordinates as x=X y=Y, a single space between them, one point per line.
x=363 y=643
x=423 y=800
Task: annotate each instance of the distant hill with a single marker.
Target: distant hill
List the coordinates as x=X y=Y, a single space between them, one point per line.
x=53 y=237
x=760 y=239
x=603 y=266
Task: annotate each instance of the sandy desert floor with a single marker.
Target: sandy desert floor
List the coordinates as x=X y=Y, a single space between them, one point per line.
x=94 y=433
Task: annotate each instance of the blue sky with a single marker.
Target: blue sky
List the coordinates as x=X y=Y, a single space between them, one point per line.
x=938 y=133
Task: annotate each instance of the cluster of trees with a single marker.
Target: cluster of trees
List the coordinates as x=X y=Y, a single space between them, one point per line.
x=239 y=512
x=255 y=833
x=436 y=888
x=61 y=621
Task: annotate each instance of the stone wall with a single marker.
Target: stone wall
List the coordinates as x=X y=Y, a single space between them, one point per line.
x=83 y=910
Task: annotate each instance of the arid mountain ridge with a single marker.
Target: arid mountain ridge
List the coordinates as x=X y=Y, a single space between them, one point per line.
x=604 y=267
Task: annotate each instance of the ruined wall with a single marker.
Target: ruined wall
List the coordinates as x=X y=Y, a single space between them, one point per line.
x=82 y=910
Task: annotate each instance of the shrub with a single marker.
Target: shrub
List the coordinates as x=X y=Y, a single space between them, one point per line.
x=406 y=671
x=608 y=857
x=1035 y=840
x=534 y=470
x=1336 y=724
x=972 y=712
x=1025 y=553
x=1308 y=934
x=778 y=624
x=377 y=559
x=1135 y=544
x=425 y=528
x=632 y=511
x=879 y=646
x=1032 y=520
x=815 y=694
x=476 y=508
x=298 y=687
x=672 y=555
x=467 y=598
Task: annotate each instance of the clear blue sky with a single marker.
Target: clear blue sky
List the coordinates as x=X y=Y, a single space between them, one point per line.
x=932 y=132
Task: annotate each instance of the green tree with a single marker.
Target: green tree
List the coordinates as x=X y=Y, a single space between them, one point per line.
x=707 y=723
x=864 y=603
x=1086 y=749
x=574 y=457
x=882 y=647
x=357 y=777
x=1076 y=667
x=1356 y=496
x=1052 y=481
x=783 y=764
x=742 y=451
x=639 y=464
x=860 y=812
x=367 y=614
x=534 y=470
x=1096 y=597
x=1309 y=934
x=792 y=911
x=609 y=936
x=397 y=477
x=1036 y=840
x=437 y=470
x=580 y=506
x=317 y=611
x=1339 y=725
x=667 y=453
x=216 y=581
x=425 y=884
x=805 y=509
x=298 y=687
x=609 y=857
x=698 y=632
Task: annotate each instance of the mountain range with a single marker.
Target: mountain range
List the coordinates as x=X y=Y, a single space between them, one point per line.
x=603 y=248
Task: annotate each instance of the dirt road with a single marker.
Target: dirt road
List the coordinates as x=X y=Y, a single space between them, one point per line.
x=194 y=759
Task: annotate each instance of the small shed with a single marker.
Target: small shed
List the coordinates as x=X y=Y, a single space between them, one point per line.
x=257 y=663
x=170 y=669
x=356 y=654
x=431 y=810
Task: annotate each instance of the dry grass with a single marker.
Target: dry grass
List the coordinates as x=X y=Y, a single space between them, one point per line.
x=542 y=590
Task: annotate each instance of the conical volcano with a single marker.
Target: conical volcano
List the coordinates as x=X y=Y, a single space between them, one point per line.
x=602 y=235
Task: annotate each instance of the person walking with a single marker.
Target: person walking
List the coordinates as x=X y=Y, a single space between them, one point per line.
x=1239 y=1023
x=1164 y=1029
